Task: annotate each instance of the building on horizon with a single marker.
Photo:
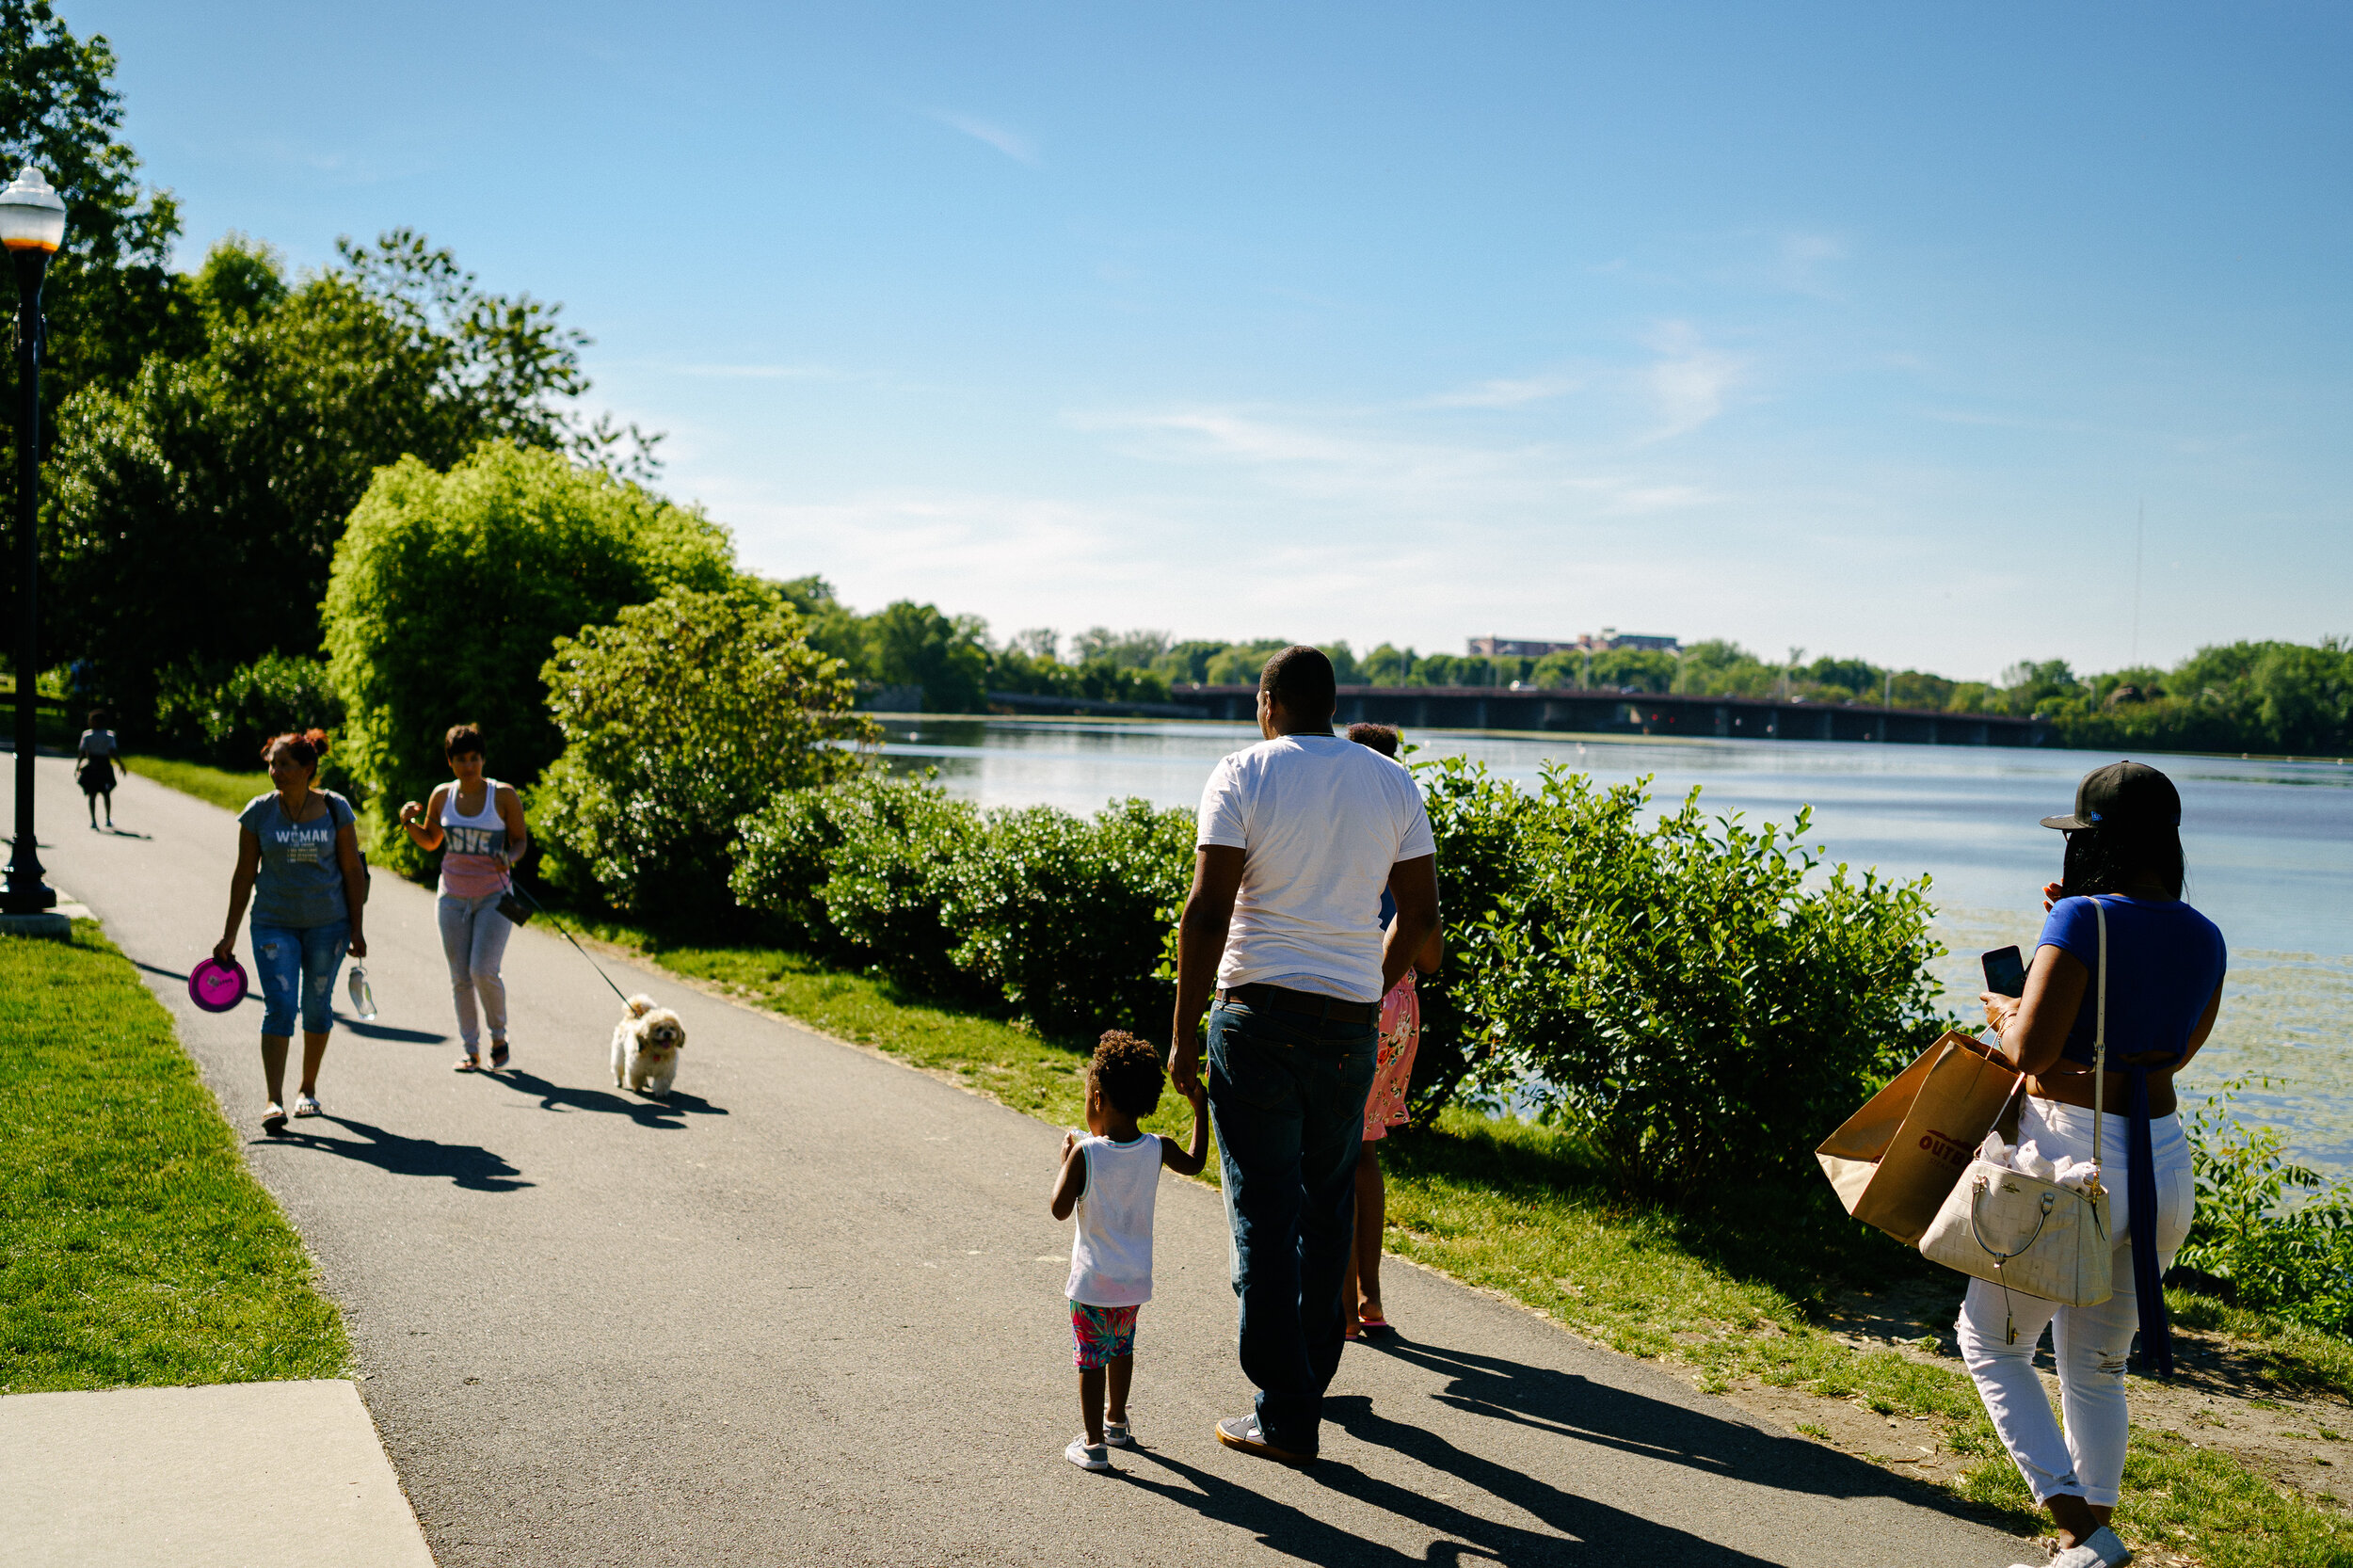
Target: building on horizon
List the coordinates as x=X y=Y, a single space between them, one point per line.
x=1603 y=641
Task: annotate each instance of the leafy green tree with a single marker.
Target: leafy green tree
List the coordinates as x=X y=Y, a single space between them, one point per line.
x=197 y=511
x=1240 y=664
x=832 y=627
x=1136 y=650
x=914 y=645
x=1184 y=664
x=1643 y=669
x=681 y=718
x=1388 y=665
x=110 y=296
x=449 y=591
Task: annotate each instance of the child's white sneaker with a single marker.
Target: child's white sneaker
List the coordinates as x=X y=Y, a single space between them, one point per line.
x=1116 y=1435
x=1087 y=1456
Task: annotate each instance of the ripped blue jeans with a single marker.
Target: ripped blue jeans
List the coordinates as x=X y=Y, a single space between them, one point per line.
x=302 y=962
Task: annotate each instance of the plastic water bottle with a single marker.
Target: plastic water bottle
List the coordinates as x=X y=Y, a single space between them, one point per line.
x=363 y=998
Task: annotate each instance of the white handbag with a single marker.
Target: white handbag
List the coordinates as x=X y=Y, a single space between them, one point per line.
x=2029 y=1236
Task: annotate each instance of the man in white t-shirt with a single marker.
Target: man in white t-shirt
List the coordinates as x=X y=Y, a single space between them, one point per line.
x=1298 y=836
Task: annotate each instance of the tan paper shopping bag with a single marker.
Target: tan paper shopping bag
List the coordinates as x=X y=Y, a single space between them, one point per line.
x=1895 y=1159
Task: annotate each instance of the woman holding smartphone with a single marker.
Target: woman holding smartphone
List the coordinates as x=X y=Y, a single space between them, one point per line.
x=2164 y=966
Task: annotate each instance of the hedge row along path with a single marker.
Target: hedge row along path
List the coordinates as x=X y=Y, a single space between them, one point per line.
x=811 y=1310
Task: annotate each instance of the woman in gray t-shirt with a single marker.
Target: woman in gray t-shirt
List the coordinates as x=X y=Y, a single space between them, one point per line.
x=298 y=865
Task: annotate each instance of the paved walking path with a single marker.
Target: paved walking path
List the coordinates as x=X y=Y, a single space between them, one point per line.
x=810 y=1311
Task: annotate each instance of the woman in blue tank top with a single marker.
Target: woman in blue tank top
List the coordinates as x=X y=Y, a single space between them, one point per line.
x=2165 y=964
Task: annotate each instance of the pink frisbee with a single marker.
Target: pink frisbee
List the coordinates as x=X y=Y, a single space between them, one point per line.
x=216 y=986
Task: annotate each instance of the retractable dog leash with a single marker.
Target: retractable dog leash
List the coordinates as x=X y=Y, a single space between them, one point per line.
x=518 y=887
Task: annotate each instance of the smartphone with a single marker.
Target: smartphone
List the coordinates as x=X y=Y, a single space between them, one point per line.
x=2005 y=972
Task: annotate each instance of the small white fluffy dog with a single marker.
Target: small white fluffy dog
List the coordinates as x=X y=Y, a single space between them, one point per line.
x=644 y=1048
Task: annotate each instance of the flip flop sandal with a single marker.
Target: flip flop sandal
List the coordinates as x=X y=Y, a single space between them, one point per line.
x=1374 y=1323
x=500 y=1055
x=468 y=1062
x=272 y=1119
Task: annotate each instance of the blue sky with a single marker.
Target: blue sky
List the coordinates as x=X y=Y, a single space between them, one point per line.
x=1862 y=328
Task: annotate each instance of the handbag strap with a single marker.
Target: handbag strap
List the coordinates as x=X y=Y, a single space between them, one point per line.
x=2100 y=1043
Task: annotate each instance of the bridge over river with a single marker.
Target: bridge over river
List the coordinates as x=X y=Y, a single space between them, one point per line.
x=1571 y=709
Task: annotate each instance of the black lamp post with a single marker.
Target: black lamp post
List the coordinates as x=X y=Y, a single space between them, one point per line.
x=32 y=226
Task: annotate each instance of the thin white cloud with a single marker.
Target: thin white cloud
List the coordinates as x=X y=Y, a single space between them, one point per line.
x=1688 y=383
x=1011 y=143
x=1505 y=393
x=752 y=372
x=1804 y=261
x=1374 y=466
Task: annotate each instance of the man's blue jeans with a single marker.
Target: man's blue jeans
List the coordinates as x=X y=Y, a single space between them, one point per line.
x=1287 y=1096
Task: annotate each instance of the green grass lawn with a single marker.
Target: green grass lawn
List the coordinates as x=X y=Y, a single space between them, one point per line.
x=229 y=791
x=136 y=1248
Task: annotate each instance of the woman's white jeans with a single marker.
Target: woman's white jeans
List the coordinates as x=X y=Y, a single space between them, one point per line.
x=474 y=940
x=2089 y=1343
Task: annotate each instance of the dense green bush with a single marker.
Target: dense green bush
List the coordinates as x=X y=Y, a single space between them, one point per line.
x=885 y=881
x=1064 y=918
x=2294 y=1261
x=1479 y=825
x=679 y=719
x=448 y=593
x=1688 y=995
x=223 y=719
x=1060 y=918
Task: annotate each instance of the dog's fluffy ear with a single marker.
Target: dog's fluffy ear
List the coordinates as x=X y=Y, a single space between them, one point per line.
x=640 y=1006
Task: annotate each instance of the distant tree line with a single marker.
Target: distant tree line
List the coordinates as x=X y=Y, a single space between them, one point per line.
x=2287 y=699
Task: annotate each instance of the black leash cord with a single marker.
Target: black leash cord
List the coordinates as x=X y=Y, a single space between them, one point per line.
x=542 y=908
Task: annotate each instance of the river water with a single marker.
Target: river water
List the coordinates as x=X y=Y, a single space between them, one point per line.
x=2269 y=845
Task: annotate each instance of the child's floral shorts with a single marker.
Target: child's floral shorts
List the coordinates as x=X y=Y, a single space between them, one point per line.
x=1103 y=1333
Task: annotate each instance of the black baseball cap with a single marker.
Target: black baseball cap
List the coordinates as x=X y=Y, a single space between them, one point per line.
x=2123 y=794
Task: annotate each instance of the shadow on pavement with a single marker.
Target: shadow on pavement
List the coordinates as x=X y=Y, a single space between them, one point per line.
x=1590 y=1532
x=645 y=1113
x=1586 y=1411
x=123 y=832
x=466 y=1165
x=367 y=1031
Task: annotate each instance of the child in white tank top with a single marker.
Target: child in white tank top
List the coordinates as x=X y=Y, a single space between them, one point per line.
x=1109 y=1176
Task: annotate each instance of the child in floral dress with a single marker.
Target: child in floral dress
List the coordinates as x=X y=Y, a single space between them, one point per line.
x=1384 y=1105
x=1109 y=1178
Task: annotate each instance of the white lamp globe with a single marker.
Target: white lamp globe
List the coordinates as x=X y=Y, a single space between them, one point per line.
x=31 y=216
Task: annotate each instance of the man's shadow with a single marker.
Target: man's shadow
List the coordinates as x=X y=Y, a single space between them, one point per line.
x=1544 y=1400
x=645 y=1113
x=123 y=832
x=1589 y=1531
x=467 y=1165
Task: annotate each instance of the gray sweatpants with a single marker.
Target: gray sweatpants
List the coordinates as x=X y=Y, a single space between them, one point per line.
x=474 y=940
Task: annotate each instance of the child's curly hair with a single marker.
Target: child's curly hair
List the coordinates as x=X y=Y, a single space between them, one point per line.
x=1129 y=1072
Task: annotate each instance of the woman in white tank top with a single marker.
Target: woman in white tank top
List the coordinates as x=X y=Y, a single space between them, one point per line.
x=481 y=821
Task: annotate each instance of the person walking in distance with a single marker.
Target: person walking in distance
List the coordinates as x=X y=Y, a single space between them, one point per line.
x=481 y=821
x=95 y=765
x=1298 y=837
